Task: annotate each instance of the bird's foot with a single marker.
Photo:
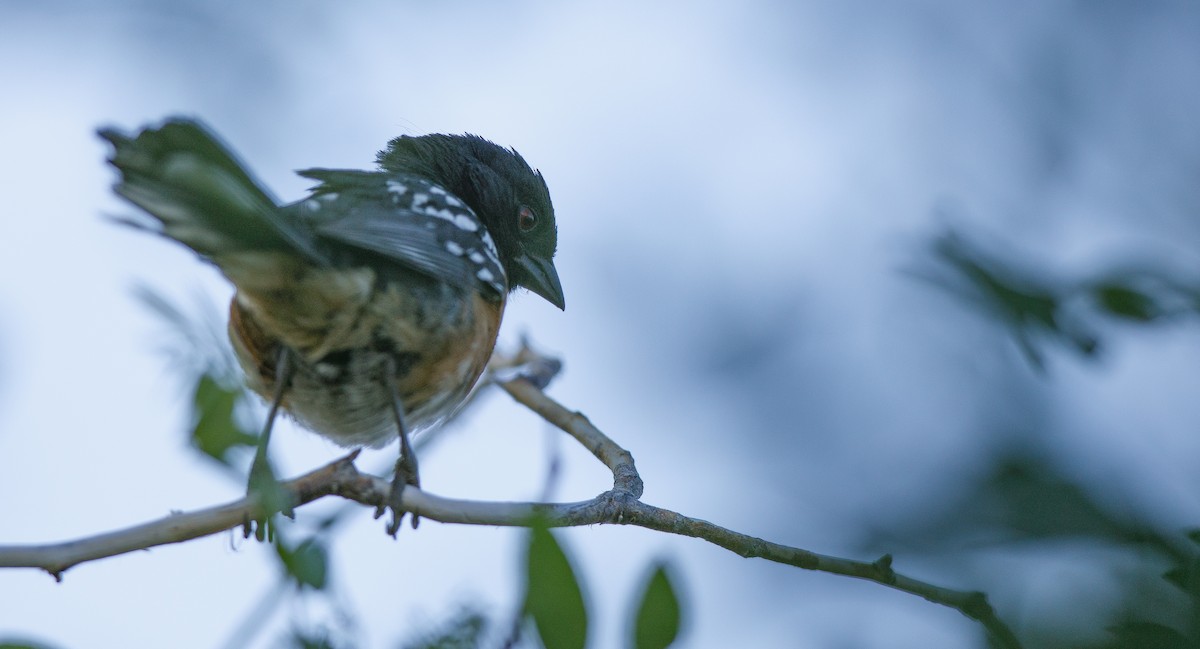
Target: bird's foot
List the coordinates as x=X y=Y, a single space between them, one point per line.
x=406 y=475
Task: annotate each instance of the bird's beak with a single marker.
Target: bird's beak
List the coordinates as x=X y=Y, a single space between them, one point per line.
x=543 y=279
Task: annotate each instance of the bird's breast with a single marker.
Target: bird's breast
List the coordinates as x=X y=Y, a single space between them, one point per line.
x=345 y=330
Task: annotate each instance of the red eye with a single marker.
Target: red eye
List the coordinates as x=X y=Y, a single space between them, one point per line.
x=526 y=219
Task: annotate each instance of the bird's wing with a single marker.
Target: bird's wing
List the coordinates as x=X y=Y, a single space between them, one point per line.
x=406 y=219
x=183 y=176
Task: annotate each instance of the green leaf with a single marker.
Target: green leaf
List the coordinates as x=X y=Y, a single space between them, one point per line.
x=216 y=430
x=657 y=623
x=553 y=597
x=307 y=563
x=1125 y=302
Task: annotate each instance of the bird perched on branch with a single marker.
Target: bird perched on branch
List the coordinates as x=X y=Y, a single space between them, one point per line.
x=369 y=309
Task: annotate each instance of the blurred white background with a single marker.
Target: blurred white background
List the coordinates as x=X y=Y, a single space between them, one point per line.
x=738 y=187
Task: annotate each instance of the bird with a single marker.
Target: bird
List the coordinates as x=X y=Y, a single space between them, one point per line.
x=368 y=309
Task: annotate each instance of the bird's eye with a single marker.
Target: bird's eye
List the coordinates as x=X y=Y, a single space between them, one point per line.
x=526 y=219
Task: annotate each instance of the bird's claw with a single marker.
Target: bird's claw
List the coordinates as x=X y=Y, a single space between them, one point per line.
x=406 y=475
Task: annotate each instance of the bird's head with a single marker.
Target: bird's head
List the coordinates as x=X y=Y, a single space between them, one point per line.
x=508 y=195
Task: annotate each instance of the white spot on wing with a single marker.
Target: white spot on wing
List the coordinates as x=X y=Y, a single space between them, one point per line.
x=396 y=187
x=491 y=245
x=462 y=220
x=454 y=249
x=312 y=205
x=476 y=257
x=465 y=222
x=485 y=275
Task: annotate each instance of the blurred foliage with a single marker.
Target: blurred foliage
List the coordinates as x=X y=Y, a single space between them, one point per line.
x=555 y=607
x=1024 y=503
x=1022 y=498
x=307 y=563
x=1036 y=307
x=318 y=639
x=216 y=430
x=12 y=643
x=466 y=629
x=556 y=602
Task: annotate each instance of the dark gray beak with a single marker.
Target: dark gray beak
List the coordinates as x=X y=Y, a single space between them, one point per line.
x=542 y=279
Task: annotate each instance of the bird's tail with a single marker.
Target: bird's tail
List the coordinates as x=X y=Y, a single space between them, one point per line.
x=180 y=174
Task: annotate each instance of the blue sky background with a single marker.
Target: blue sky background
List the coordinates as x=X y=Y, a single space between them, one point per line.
x=739 y=189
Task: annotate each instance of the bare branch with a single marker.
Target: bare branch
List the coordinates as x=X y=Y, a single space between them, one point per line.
x=618 y=506
x=340 y=478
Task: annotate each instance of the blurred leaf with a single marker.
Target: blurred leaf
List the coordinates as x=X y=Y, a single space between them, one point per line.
x=462 y=631
x=307 y=563
x=1126 y=302
x=994 y=285
x=216 y=430
x=1031 y=498
x=1149 y=635
x=1024 y=300
x=1025 y=498
x=1185 y=575
x=1021 y=497
x=12 y=643
x=1029 y=302
x=1180 y=577
x=553 y=597
x=657 y=622
x=319 y=639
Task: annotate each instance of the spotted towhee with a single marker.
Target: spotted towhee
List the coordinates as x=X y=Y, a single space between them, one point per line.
x=369 y=309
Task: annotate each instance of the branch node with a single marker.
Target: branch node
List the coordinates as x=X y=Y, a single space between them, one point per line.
x=617 y=506
x=883 y=566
